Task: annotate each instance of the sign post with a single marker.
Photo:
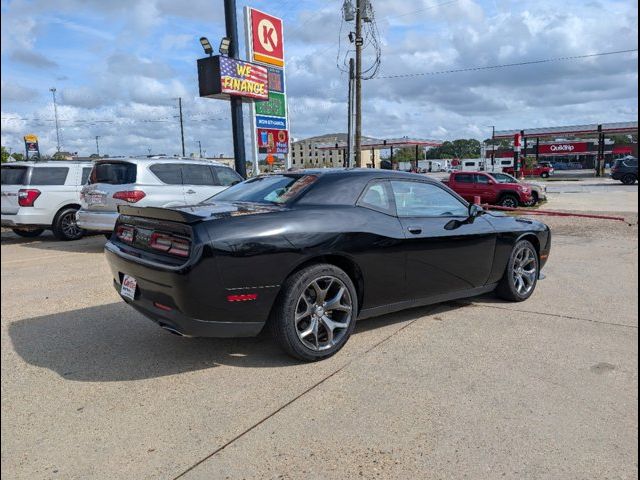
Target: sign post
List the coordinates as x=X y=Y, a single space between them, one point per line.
x=516 y=154
x=270 y=126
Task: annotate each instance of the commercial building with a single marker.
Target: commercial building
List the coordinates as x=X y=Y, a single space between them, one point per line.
x=327 y=151
x=577 y=146
x=331 y=150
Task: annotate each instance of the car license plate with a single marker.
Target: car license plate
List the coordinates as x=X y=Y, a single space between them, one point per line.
x=95 y=199
x=128 y=289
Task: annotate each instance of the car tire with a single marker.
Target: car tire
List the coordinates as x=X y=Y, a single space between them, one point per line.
x=64 y=225
x=28 y=233
x=545 y=175
x=510 y=201
x=303 y=322
x=521 y=275
x=629 y=179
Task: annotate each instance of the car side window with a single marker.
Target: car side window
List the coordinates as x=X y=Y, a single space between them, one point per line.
x=482 y=179
x=197 y=175
x=376 y=196
x=466 y=178
x=86 y=171
x=49 y=176
x=169 y=173
x=226 y=176
x=418 y=199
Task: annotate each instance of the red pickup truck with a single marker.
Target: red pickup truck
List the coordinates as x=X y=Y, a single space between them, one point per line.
x=543 y=171
x=479 y=184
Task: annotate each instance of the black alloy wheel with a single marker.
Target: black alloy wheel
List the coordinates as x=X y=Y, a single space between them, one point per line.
x=316 y=312
x=629 y=179
x=65 y=226
x=521 y=276
x=28 y=233
x=510 y=201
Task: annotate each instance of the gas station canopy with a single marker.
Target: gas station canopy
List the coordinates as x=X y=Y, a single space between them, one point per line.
x=574 y=130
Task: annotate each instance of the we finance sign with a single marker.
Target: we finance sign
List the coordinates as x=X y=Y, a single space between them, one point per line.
x=225 y=77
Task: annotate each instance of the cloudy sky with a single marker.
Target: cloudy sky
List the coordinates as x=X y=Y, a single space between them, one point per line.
x=119 y=66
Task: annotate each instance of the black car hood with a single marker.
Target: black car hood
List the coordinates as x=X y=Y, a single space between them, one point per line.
x=200 y=212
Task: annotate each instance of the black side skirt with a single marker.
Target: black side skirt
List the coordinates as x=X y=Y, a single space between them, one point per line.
x=421 y=302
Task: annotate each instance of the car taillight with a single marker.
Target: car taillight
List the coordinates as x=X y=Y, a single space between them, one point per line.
x=164 y=242
x=27 y=196
x=125 y=233
x=131 y=196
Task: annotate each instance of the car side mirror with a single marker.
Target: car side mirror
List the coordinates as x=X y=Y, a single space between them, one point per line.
x=475 y=211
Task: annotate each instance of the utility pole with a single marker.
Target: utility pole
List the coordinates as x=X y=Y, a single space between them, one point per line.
x=360 y=5
x=231 y=24
x=349 y=156
x=55 y=114
x=97 y=146
x=200 y=147
x=181 y=124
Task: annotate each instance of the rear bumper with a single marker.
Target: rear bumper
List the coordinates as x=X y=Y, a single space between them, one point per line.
x=181 y=301
x=27 y=217
x=96 y=221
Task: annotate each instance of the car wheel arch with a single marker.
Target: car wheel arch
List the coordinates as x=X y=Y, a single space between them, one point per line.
x=343 y=262
x=77 y=206
x=535 y=241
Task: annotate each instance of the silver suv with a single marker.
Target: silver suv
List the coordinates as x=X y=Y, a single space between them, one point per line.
x=43 y=195
x=148 y=182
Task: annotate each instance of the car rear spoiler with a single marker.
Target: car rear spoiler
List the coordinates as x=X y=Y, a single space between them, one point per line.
x=159 y=214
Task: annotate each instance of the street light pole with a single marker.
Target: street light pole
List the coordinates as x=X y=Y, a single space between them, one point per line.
x=231 y=24
x=200 y=147
x=97 y=146
x=181 y=124
x=55 y=114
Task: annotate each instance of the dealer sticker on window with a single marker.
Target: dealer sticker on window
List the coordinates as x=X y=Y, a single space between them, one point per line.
x=129 y=285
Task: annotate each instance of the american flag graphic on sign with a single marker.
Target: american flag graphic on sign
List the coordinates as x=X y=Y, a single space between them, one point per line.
x=243 y=79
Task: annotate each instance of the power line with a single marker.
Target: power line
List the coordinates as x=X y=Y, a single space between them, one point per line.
x=507 y=65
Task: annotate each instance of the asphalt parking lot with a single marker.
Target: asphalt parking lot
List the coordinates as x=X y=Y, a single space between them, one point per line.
x=472 y=389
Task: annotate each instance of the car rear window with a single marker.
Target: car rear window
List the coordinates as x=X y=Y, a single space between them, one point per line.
x=113 y=173
x=14 y=175
x=49 y=175
x=278 y=189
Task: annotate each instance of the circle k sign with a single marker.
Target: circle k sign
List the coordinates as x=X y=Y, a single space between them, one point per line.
x=267 y=38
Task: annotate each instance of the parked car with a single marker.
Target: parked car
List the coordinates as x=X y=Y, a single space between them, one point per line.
x=539 y=170
x=148 y=182
x=37 y=196
x=625 y=170
x=538 y=192
x=310 y=252
x=480 y=184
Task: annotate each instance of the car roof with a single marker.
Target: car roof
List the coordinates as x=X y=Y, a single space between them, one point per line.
x=47 y=163
x=361 y=172
x=196 y=161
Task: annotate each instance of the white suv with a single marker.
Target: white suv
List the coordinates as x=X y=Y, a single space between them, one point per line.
x=148 y=182
x=43 y=195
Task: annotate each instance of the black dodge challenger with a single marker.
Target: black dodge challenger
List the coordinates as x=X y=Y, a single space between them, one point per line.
x=308 y=253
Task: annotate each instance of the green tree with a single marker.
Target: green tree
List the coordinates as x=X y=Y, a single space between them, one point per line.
x=17 y=156
x=5 y=155
x=461 y=148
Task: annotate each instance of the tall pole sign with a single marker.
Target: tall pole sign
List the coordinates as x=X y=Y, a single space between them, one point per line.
x=270 y=123
x=31 y=147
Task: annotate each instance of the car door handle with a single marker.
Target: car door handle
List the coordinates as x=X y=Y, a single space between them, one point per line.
x=415 y=230
x=191 y=192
